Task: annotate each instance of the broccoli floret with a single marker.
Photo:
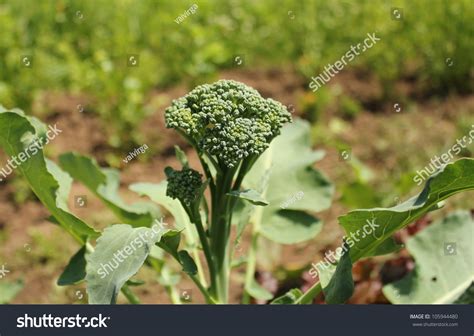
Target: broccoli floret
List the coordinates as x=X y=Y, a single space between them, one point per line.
x=228 y=120
x=183 y=184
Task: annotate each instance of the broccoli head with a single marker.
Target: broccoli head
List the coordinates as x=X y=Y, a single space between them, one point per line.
x=228 y=120
x=183 y=184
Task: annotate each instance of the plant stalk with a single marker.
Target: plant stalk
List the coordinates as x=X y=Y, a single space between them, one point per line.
x=205 y=246
x=220 y=229
x=132 y=298
x=310 y=294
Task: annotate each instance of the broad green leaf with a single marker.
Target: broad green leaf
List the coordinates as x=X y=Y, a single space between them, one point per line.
x=157 y=193
x=358 y=194
x=8 y=290
x=336 y=280
x=293 y=187
x=250 y=195
x=257 y=291
x=381 y=223
x=295 y=223
x=289 y=297
x=387 y=247
x=51 y=185
x=75 y=270
x=444 y=259
x=454 y=178
x=119 y=254
x=170 y=243
x=156 y=252
x=104 y=183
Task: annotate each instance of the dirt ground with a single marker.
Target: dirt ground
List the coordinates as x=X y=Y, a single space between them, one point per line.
x=386 y=141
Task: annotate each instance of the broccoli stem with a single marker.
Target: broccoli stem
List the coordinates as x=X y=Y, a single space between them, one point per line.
x=222 y=209
x=220 y=231
x=251 y=263
x=195 y=217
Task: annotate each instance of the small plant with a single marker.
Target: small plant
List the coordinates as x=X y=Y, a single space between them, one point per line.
x=253 y=158
x=229 y=125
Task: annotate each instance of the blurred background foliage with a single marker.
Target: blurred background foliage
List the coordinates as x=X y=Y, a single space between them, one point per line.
x=83 y=47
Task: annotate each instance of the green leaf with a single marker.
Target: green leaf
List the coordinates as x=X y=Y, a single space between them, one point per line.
x=386 y=247
x=157 y=193
x=170 y=242
x=75 y=270
x=381 y=223
x=297 y=225
x=250 y=195
x=50 y=184
x=336 y=281
x=119 y=254
x=189 y=266
x=444 y=259
x=467 y=297
x=291 y=185
x=454 y=178
x=104 y=183
x=358 y=194
x=257 y=291
x=8 y=290
x=289 y=297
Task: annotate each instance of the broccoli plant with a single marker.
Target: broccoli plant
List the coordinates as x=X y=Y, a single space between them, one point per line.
x=229 y=125
x=256 y=173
